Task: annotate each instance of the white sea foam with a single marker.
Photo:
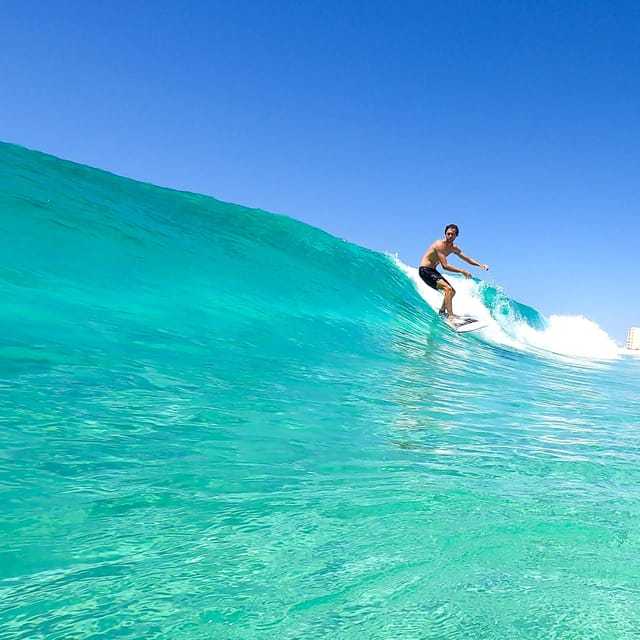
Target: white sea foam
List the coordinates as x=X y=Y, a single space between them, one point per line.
x=573 y=336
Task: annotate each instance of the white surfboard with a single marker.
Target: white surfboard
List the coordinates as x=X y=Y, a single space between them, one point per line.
x=464 y=324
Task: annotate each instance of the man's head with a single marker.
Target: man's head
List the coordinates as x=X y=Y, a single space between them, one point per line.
x=451 y=231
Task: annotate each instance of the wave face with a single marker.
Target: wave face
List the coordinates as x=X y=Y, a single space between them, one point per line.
x=218 y=422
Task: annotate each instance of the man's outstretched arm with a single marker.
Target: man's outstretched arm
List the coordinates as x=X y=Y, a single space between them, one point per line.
x=471 y=261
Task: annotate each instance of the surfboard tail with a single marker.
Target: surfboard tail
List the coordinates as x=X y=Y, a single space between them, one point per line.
x=464 y=324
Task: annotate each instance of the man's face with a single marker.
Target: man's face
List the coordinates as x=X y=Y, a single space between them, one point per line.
x=450 y=235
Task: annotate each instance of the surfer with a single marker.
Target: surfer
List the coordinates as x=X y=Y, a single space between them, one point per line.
x=436 y=255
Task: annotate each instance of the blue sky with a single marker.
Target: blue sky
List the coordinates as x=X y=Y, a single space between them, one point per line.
x=379 y=122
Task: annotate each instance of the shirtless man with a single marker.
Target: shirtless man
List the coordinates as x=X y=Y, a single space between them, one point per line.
x=437 y=254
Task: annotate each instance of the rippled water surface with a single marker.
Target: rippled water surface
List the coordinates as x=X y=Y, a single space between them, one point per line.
x=193 y=448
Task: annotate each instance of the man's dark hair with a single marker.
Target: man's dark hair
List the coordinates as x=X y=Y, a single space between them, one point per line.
x=452 y=226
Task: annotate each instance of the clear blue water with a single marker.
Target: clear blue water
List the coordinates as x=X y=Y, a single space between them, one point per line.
x=215 y=424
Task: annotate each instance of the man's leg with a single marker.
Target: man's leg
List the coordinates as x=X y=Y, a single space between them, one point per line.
x=448 y=292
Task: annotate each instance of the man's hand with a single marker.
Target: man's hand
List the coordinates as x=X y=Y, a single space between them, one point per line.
x=484 y=267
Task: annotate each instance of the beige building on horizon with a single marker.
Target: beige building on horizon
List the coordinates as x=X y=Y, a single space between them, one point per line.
x=633 y=338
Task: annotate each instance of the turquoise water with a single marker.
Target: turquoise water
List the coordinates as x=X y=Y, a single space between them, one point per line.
x=216 y=424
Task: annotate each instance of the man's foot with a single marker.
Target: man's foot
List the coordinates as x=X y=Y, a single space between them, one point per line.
x=443 y=313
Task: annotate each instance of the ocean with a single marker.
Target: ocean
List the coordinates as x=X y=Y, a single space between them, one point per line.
x=216 y=424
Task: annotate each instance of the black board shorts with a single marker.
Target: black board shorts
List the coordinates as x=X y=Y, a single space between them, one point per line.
x=431 y=276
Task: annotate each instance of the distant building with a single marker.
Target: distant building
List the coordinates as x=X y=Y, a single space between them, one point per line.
x=633 y=338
